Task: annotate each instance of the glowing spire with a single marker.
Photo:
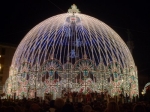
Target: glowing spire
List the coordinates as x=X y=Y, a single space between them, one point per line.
x=73 y=9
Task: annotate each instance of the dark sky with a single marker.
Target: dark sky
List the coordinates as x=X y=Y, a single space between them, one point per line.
x=19 y=16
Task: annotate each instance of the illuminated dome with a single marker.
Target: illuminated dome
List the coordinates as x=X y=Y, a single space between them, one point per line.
x=72 y=52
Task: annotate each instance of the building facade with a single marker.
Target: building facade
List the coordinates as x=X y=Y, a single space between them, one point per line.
x=6 y=54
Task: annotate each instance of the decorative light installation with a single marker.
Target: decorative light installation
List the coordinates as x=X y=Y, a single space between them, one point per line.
x=147 y=86
x=72 y=52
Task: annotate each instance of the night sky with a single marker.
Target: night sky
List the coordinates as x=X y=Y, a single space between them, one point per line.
x=19 y=16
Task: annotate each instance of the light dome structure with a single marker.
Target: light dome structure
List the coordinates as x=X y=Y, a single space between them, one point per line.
x=72 y=52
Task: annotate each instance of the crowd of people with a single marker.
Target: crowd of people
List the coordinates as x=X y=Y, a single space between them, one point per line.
x=65 y=105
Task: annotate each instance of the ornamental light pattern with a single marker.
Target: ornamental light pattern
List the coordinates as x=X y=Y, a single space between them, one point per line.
x=75 y=52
